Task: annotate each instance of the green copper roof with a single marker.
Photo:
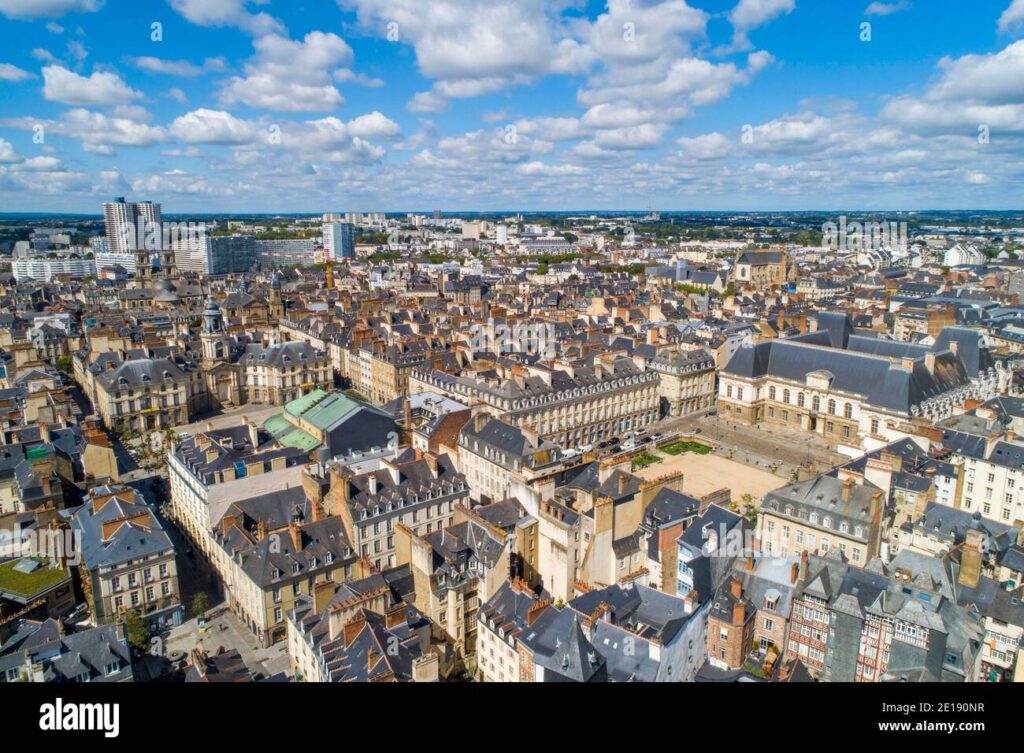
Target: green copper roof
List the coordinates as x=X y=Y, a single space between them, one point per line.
x=300 y=405
x=329 y=410
x=277 y=425
x=300 y=439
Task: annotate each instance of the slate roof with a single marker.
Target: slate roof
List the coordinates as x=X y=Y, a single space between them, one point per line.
x=139 y=534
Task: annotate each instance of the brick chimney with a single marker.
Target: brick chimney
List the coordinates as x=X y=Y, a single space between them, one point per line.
x=690 y=601
x=353 y=627
x=847 y=492
x=794 y=574
x=296 y=534
x=322 y=593
x=535 y=611
x=739 y=612
x=431 y=459
x=395 y=616
x=425 y=668
x=736 y=587
x=970 y=559
x=372 y=657
x=623 y=482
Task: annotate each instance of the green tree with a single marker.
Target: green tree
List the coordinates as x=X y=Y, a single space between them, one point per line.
x=66 y=364
x=200 y=603
x=137 y=631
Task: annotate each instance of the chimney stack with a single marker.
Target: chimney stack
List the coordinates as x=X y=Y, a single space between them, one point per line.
x=736 y=587
x=322 y=594
x=739 y=612
x=535 y=611
x=848 y=485
x=353 y=627
x=431 y=459
x=395 y=616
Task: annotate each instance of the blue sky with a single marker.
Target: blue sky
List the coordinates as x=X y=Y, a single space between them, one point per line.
x=512 y=104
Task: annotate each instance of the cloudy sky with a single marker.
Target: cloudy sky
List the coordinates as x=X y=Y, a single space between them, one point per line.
x=228 y=105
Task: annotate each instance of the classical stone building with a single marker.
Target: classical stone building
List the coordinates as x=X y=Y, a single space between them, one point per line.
x=687 y=384
x=570 y=405
x=853 y=388
x=763 y=268
x=128 y=560
x=236 y=371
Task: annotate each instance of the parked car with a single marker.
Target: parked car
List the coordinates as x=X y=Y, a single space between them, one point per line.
x=656 y=436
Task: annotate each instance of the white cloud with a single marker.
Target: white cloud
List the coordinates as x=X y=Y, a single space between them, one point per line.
x=541 y=169
x=176 y=67
x=10 y=72
x=751 y=14
x=62 y=85
x=205 y=126
x=347 y=76
x=971 y=91
x=374 y=125
x=7 y=153
x=473 y=48
x=227 y=13
x=40 y=163
x=1012 y=19
x=54 y=28
x=76 y=50
x=25 y=9
x=290 y=75
x=645 y=136
x=886 y=9
x=707 y=146
x=98 y=133
x=170 y=182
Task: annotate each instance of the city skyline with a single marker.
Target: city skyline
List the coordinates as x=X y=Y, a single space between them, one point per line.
x=772 y=105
